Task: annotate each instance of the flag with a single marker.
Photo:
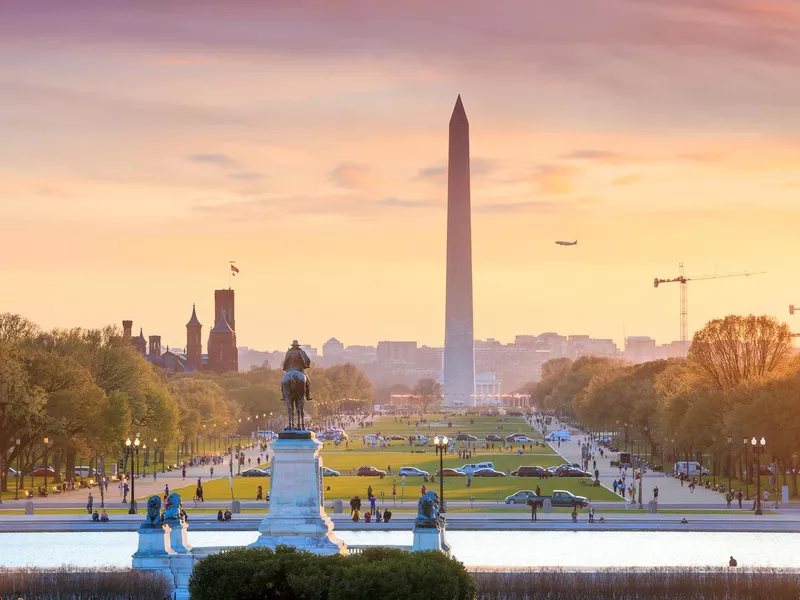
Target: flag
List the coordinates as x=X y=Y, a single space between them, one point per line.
x=234 y=270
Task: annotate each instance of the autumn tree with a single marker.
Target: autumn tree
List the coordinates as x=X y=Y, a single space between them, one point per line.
x=728 y=351
x=428 y=392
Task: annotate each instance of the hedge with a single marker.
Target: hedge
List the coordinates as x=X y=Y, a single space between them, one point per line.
x=376 y=573
x=67 y=583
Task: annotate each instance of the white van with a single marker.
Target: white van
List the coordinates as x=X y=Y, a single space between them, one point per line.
x=83 y=471
x=471 y=468
x=694 y=468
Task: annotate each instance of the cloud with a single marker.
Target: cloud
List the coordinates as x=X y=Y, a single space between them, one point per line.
x=704 y=157
x=410 y=203
x=553 y=179
x=434 y=174
x=247 y=176
x=626 y=180
x=478 y=167
x=342 y=205
x=542 y=206
x=353 y=176
x=605 y=156
x=220 y=160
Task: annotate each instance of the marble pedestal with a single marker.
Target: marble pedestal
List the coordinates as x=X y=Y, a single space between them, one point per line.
x=154 y=550
x=430 y=538
x=296 y=514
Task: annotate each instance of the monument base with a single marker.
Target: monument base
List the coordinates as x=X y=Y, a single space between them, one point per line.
x=296 y=516
x=154 y=552
x=430 y=538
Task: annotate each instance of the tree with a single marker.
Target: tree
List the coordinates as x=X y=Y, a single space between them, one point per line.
x=730 y=350
x=428 y=391
x=556 y=367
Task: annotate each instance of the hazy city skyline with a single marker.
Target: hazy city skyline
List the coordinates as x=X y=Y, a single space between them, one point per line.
x=143 y=149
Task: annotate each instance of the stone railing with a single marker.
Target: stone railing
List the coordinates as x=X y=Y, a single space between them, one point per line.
x=358 y=549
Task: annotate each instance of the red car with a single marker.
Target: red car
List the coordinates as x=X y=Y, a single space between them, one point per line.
x=41 y=472
x=451 y=473
x=370 y=472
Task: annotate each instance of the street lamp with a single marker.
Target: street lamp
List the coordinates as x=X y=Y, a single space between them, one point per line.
x=46 y=443
x=713 y=461
x=730 y=465
x=758 y=449
x=19 y=467
x=641 y=469
x=746 y=442
x=146 y=460
x=130 y=450
x=440 y=444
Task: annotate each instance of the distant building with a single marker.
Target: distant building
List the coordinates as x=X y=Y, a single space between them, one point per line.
x=397 y=353
x=640 y=349
x=222 y=354
x=332 y=350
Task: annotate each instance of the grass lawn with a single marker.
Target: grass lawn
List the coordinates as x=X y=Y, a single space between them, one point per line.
x=346 y=487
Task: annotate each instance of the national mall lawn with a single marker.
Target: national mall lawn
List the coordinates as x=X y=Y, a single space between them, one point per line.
x=401 y=454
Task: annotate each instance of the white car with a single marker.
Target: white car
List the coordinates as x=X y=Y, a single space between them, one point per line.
x=328 y=472
x=412 y=472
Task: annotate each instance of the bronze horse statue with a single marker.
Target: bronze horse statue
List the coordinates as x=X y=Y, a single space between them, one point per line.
x=294 y=386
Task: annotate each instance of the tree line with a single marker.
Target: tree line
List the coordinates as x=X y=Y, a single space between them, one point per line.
x=740 y=379
x=87 y=390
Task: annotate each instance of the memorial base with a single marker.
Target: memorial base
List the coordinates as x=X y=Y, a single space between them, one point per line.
x=296 y=515
x=430 y=538
x=154 y=551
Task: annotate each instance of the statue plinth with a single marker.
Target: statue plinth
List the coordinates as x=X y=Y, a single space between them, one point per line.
x=296 y=516
x=296 y=434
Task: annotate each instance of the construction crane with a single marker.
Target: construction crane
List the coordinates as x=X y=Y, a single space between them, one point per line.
x=683 y=280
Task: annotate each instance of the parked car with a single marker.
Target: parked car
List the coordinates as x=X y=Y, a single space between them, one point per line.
x=556 y=436
x=523 y=439
x=527 y=471
x=84 y=471
x=561 y=499
x=493 y=437
x=412 y=472
x=328 y=472
x=488 y=473
x=465 y=437
x=510 y=437
x=395 y=438
x=520 y=497
x=254 y=472
x=41 y=472
x=469 y=469
x=572 y=472
x=450 y=473
x=370 y=472
x=12 y=473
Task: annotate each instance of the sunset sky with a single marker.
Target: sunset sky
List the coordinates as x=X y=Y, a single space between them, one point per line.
x=145 y=144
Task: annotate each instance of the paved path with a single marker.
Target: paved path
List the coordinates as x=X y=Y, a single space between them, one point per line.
x=670 y=491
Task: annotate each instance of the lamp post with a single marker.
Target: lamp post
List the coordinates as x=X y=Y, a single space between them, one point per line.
x=46 y=443
x=730 y=464
x=641 y=470
x=746 y=470
x=130 y=450
x=19 y=467
x=713 y=461
x=440 y=444
x=758 y=449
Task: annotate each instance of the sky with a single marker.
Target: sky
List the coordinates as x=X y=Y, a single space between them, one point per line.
x=144 y=145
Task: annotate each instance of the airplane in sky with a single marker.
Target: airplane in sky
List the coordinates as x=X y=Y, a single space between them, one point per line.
x=560 y=243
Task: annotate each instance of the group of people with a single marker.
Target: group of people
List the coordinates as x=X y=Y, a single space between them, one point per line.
x=225 y=515
x=374 y=511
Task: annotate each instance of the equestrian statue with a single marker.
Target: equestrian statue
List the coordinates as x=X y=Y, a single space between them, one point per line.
x=295 y=384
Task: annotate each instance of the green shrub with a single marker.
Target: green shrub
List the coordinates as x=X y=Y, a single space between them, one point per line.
x=384 y=573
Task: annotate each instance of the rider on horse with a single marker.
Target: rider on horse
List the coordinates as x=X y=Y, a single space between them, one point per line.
x=296 y=359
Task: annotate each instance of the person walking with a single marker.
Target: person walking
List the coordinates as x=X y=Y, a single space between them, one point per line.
x=90 y=503
x=533 y=510
x=125 y=493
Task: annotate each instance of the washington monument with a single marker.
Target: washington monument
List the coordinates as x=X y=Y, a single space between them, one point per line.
x=459 y=355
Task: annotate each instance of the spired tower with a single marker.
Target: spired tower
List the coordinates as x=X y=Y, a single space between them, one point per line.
x=194 y=345
x=223 y=355
x=459 y=353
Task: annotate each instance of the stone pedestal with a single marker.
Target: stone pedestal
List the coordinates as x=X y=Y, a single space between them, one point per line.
x=547 y=506
x=652 y=507
x=29 y=508
x=236 y=507
x=181 y=566
x=430 y=538
x=178 y=538
x=154 y=550
x=297 y=516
